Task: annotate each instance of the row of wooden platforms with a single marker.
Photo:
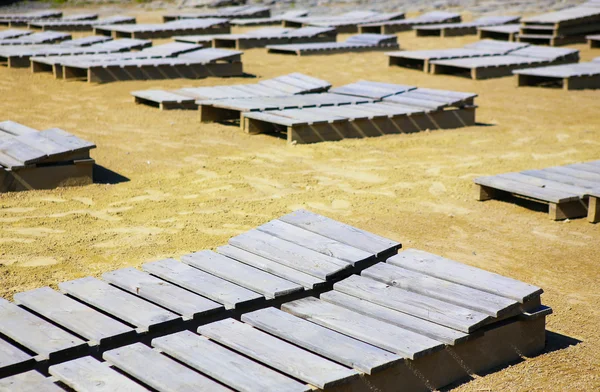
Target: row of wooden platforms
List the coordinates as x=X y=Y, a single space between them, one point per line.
x=32 y=159
x=570 y=191
x=46 y=37
x=396 y=26
x=412 y=319
x=355 y=43
x=464 y=28
x=76 y=24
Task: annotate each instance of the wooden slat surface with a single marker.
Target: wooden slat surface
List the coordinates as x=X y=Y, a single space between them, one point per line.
x=519 y=188
x=162 y=293
x=207 y=285
x=320 y=340
x=90 y=375
x=159 y=371
x=31 y=381
x=440 y=312
x=226 y=366
x=74 y=316
x=242 y=274
x=453 y=271
x=401 y=341
x=278 y=354
x=127 y=307
x=11 y=357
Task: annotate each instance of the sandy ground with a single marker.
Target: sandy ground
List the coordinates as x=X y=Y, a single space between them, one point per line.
x=192 y=186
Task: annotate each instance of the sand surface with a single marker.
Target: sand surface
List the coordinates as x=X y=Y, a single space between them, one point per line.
x=191 y=186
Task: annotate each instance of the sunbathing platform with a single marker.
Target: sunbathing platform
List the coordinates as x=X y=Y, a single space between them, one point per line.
x=508 y=32
x=260 y=38
x=593 y=41
x=32 y=159
x=259 y=315
x=79 y=25
x=46 y=37
x=344 y=23
x=13 y=33
x=396 y=26
x=562 y=27
x=579 y=76
x=570 y=191
x=356 y=43
x=234 y=12
x=67 y=18
x=165 y=30
x=17 y=20
x=185 y=98
x=268 y=21
x=464 y=28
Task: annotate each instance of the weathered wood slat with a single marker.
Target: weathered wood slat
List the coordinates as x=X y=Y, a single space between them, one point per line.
x=224 y=365
x=129 y=308
x=244 y=275
x=162 y=293
x=278 y=354
x=90 y=375
x=558 y=177
x=36 y=334
x=406 y=321
x=12 y=358
x=207 y=285
x=454 y=293
x=292 y=255
x=378 y=333
x=74 y=316
x=159 y=371
x=31 y=381
x=440 y=312
x=453 y=271
x=341 y=232
x=320 y=340
x=270 y=266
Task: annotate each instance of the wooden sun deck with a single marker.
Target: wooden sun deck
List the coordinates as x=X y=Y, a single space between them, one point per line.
x=396 y=26
x=465 y=28
x=46 y=37
x=578 y=76
x=570 y=191
x=344 y=23
x=234 y=12
x=508 y=32
x=357 y=43
x=269 y=21
x=165 y=30
x=562 y=27
x=79 y=25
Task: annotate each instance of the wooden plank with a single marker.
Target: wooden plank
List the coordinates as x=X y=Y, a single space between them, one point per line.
x=519 y=188
x=272 y=267
x=16 y=129
x=453 y=271
x=158 y=371
x=278 y=354
x=322 y=341
x=67 y=140
x=224 y=365
x=31 y=381
x=118 y=303
x=35 y=334
x=12 y=359
x=209 y=286
x=162 y=293
x=434 y=310
x=562 y=178
x=403 y=342
x=454 y=293
x=341 y=232
x=292 y=255
x=90 y=375
x=583 y=175
x=241 y=274
x=74 y=316
x=406 y=321
x=314 y=241
x=546 y=183
x=585 y=167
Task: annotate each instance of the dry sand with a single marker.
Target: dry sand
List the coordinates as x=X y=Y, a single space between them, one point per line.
x=192 y=186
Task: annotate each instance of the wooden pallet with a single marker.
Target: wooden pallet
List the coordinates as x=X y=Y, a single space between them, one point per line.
x=460 y=29
x=508 y=32
x=268 y=21
x=356 y=43
x=396 y=26
x=243 y=11
x=562 y=27
x=79 y=25
x=570 y=191
x=165 y=30
x=569 y=77
x=46 y=37
x=344 y=23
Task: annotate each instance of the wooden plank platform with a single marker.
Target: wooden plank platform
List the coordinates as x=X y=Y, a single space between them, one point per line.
x=464 y=28
x=568 y=77
x=508 y=32
x=569 y=191
x=165 y=30
x=13 y=33
x=567 y=26
x=31 y=381
x=344 y=23
x=238 y=12
x=356 y=43
x=78 y=24
x=46 y=37
x=396 y=26
x=268 y=21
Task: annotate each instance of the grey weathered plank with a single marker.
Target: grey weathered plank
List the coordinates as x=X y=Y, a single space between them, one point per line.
x=90 y=375
x=273 y=267
x=278 y=354
x=453 y=271
x=406 y=321
x=320 y=340
x=74 y=316
x=585 y=167
x=11 y=358
x=341 y=232
x=16 y=129
x=562 y=178
x=454 y=293
x=244 y=275
x=159 y=371
x=418 y=305
x=31 y=381
x=389 y=337
x=224 y=365
x=292 y=255
x=544 y=183
x=162 y=293
x=66 y=140
x=127 y=307
x=315 y=241
x=39 y=336
x=573 y=172
x=519 y=188
x=207 y=285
